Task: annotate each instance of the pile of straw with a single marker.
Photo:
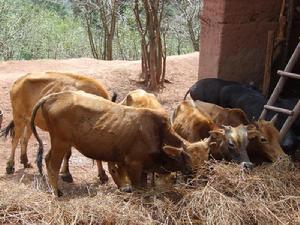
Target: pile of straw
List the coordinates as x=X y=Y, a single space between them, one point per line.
x=220 y=194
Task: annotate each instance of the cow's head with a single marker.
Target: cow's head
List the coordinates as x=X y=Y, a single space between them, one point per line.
x=176 y=159
x=232 y=144
x=164 y=180
x=264 y=139
x=120 y=176
x=185 y=156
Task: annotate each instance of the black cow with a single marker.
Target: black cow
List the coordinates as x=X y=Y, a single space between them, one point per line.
x=208 y=89
x=238 y=96
x=230 y=94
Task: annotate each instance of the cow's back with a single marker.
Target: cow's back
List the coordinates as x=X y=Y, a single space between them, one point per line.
x=190 y=123
x=100 y=129
x=239 y=96
x=28 y=89
x=208 y=90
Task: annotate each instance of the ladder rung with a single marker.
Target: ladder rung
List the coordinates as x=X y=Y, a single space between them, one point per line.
x=288 y=74
x=280 y=110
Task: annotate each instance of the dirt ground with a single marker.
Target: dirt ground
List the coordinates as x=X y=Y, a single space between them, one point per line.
x=118 y=76
x=220 y=193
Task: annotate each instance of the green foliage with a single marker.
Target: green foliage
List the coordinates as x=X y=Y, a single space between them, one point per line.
x=31 y=31
x=37 y=29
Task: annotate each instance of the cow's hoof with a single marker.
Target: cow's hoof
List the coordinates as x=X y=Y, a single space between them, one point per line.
x=27 y=165
x=67 y=178
x=10 y=169
x=127 y=189
x=103 y=178
x=57 y=193
x=247 y=165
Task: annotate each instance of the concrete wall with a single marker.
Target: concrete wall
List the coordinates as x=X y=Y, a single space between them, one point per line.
x=234 y=36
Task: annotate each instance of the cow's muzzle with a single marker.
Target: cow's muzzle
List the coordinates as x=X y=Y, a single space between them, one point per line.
x=127 y=188
x=247 y=165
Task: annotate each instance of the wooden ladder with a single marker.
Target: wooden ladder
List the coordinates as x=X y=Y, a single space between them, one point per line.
x=292 y=114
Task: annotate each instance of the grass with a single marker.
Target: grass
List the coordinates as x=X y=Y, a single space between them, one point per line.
x=221 y=193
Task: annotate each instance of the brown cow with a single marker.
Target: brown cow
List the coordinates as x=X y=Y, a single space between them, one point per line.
x=142 y=99
x=137 y=138
x=194 y=125
x=189 y=123
x=138 y=98
x=264 y=141
x=222 y=116
x=25 y=93
x=264 y=145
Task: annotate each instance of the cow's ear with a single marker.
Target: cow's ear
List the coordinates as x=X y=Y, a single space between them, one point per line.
x=129 y=100
x=252 y=131
x=217 y=133
x=172 y=152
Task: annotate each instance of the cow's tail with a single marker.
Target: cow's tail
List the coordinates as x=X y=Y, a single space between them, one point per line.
x=114 y=97
x=186 y=94
x=9 y=129
x=39 y=157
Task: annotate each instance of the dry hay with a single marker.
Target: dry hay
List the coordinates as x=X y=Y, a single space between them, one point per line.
x=220 y=194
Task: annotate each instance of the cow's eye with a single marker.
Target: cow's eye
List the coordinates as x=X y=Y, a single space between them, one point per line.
x=263 y=140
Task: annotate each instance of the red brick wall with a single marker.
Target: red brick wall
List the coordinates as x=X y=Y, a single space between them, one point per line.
x=233 y=38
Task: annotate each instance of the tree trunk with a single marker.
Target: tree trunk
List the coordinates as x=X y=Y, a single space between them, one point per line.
x=109 y=47
x=90 y=35
x=153 y=61
x=109 y=26
x=194 y=39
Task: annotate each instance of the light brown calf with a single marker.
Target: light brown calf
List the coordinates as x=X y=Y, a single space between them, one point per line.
x=137 y=139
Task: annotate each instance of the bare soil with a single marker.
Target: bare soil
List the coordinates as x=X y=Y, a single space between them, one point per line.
x=220 y=193
x=118 y=76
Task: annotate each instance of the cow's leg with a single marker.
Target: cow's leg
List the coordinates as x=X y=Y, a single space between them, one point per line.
x=101 y=172
x=53 y=162
x=24 y=143
x=144 y=179
x=135 y=170
x=18 y=131
x=65 y=172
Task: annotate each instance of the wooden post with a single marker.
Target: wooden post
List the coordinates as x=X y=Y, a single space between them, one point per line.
x=290 y=17
x=288 y=123
x=282 y=80
x=268 y=63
